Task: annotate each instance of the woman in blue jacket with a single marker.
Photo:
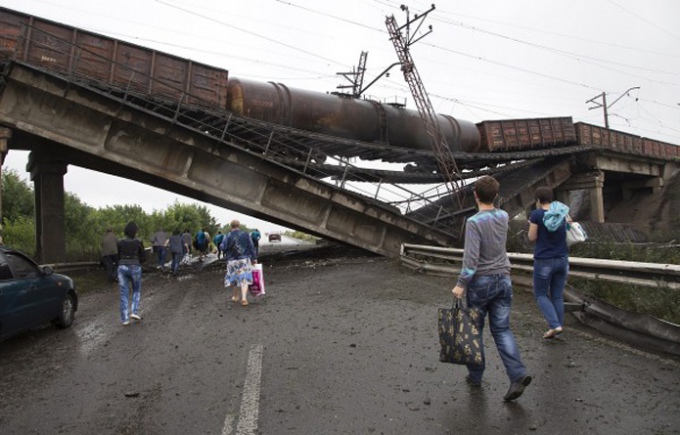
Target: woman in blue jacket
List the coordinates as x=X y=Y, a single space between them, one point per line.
x=548 y=228
x=240 y=254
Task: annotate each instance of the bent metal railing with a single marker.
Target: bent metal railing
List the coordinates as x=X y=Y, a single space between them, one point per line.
x=446 y=261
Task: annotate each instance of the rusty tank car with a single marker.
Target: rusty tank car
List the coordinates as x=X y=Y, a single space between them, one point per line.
x=343 y=116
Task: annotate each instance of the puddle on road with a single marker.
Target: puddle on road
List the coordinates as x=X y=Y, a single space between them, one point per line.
x=91 y=337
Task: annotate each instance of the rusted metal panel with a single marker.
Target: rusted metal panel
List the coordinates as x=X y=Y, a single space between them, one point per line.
x=519 y=134
x=49 y=46
x=207 y=84
x=95 y=58
x=12 y=28
x=132 y=68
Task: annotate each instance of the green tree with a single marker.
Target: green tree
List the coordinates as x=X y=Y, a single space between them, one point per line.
x=17 y=196
x=20 y=234
x=84 y=225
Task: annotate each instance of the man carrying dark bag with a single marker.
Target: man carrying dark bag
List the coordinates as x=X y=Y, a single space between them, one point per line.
x=485 y=281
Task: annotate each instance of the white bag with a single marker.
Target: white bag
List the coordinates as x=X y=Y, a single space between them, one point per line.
x=575 y=233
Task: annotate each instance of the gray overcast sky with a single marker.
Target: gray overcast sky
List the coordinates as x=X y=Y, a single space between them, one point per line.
x=486 y=59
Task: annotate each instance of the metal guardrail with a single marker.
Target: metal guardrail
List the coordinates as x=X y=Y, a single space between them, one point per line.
x=446 y=261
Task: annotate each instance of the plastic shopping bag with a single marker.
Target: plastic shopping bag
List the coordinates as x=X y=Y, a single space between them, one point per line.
x=575 y=233
x=460 y=335
x=257 y=288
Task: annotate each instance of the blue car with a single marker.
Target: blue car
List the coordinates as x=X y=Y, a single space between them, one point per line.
x=31 y=295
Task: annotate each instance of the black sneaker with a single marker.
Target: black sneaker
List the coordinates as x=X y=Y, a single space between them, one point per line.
x=517 y=388
x=472 y=383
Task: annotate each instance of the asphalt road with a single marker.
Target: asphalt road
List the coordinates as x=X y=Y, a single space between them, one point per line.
x=345 y=344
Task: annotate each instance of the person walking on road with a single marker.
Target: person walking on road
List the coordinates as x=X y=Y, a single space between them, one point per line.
x=256 y=236
x=217 y=241
x=240 y=255
x=158 y=242
x=131 y=255
x=186 y=240
x=110 y=254
x=202 y=240
x=176 y=245
x=485 y=281
x=548 y=228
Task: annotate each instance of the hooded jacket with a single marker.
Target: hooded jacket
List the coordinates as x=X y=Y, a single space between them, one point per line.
x=553 y=218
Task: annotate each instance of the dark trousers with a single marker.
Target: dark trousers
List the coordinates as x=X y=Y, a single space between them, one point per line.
x=160 y=253
x=111 y=264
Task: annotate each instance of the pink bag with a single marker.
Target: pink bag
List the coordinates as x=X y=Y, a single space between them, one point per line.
x=257 y=287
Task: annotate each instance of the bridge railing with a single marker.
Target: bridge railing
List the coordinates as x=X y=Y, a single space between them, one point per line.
x=447 y=261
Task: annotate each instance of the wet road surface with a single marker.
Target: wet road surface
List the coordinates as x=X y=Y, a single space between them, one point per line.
x=344 y=345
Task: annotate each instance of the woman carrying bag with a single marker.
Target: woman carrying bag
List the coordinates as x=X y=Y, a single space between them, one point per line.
x=548 y=228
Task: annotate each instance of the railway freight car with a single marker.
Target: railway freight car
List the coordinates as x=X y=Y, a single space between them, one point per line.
x=108 y=62
x=600 y=137
x=343 y=116
x=525 y=134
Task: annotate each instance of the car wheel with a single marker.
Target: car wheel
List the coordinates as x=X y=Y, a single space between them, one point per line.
x=68 y=312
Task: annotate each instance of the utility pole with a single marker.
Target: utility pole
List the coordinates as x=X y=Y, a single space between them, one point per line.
x=356 y=78
x=604 y=105
x=402 y=39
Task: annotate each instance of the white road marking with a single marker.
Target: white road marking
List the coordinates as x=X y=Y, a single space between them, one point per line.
x=250 y=398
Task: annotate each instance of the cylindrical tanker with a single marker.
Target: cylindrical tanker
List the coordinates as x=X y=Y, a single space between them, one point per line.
x=346 y=117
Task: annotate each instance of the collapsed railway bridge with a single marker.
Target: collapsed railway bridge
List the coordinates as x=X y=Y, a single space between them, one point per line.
x=74 y=97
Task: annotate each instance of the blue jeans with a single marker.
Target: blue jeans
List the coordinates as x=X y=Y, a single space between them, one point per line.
x=129 y=274
x=492 y=294
x=176 y=258
x=160 y=252
x=550 y=277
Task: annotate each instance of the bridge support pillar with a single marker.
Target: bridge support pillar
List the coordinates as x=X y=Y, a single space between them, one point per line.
x=597 y=199
x=48 y=181
x=593 y=183
x=5 y=135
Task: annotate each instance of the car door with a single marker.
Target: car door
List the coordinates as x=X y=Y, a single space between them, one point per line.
x=7 y=297
x=29 y=298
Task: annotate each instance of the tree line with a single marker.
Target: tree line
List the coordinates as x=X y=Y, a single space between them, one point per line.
x=84 y=225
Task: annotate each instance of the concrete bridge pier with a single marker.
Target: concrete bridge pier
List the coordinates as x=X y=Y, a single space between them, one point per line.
x=593 y=183
x=5 y=135
x=47 y=175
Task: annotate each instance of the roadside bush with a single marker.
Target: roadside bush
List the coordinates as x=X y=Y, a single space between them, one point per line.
x=20 y=234
x=301 y=236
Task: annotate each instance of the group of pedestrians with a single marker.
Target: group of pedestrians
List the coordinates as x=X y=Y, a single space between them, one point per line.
x=485 y=282
x=123 y=258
